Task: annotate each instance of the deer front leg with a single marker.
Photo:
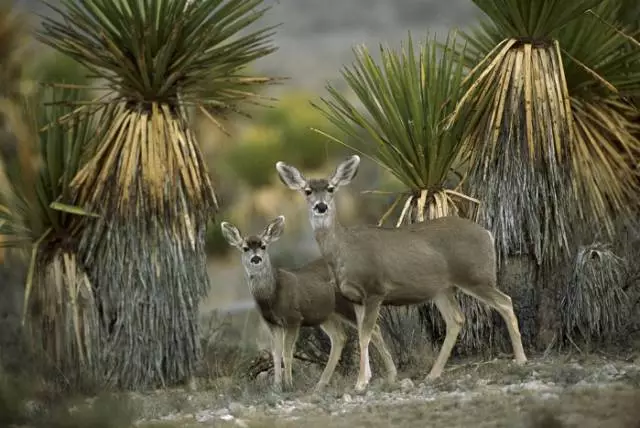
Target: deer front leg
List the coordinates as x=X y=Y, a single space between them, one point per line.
x=290 y=338
x=277 y=344
x=367 y=317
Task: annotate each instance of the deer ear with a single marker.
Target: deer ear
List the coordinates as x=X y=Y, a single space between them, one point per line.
x=345 y=172
x=290 y=176
x=274 y=230
x=231 y=234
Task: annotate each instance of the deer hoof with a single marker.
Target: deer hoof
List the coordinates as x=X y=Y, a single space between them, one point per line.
x=433 y=376
x=361 y=387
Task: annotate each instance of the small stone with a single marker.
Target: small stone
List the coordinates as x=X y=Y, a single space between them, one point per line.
x=241 y=423
x=347 y=398
x=236 y=409
x=406 y=385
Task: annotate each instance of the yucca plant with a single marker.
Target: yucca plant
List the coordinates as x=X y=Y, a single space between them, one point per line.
x=594 y=305
x=59 y=308
x=550 y=138
x=147 y=179
x=398 y=118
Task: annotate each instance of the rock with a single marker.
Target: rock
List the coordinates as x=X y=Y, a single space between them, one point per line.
x=347 y=398
x=237 y=409
x=406 y=385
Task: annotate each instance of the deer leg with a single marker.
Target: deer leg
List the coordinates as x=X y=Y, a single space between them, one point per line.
x=503 y=304
x=277 y=344
x=378 y=342
x=290 y=338
x=387 y=359
x=454 y=319
x=334 y=329
x=367 y=317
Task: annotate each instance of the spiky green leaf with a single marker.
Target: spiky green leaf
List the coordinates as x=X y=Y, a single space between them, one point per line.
x=400 y=109
x=164 y=50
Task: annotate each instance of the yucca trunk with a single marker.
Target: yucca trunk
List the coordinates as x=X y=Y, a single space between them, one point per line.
x=146 y=253
x=531 y=141
x=62 y=318
x=145 y=176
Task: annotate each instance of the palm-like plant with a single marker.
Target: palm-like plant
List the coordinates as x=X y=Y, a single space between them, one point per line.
x=551 y=133
x=146 y=177
x=59 y=304
x=399 y=119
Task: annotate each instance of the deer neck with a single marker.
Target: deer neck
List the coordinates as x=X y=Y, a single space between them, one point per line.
x=329 y=241
x=262 y=281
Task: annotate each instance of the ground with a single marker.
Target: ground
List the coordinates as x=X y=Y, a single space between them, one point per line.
x=561 y=391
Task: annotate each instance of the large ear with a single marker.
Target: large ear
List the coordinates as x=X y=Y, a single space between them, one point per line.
x=290 y=176
x=345 y=172
x=231 y=234
x=273 y=230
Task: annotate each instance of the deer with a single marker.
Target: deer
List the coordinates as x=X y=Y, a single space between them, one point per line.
x=396 y=266
x=290 y=299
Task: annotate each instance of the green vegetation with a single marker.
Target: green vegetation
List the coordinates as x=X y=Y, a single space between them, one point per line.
x=406 y=99
x=144 y=176
x=35 y=218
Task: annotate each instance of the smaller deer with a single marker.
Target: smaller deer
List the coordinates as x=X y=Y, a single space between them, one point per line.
x=290 y=299
x=374 y=266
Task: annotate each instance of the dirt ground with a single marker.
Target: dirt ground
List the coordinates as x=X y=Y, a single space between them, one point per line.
x=560 y=391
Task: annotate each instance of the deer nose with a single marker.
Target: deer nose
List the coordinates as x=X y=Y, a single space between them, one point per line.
x=321 y=208
x=256 y=260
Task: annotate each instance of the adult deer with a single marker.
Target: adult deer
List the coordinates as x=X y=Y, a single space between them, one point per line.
x=290 y=299
x=376 y=266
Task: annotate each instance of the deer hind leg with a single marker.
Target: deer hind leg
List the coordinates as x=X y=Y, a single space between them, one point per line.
x=277 y=345
x=503 y=304
x=367 y=318
x=335 y=330
x=290 y=339
x=454 y=320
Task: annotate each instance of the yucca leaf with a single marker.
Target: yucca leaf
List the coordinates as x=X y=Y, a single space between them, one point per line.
x=406 y=98
x=151 y=51
x=532 y=19
x=29 y=210
x=70 y=209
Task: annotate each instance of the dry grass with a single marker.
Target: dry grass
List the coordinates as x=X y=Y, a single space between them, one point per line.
x=594 y=305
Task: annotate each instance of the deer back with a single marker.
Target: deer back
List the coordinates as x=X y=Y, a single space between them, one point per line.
x=413 y=263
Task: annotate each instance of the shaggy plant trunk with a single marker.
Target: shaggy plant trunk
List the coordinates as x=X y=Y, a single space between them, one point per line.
x=63 y=319
x=524 y=176
x=146 y=254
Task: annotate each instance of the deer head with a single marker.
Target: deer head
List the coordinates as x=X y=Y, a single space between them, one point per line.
x=254 y=248
x=320 y=192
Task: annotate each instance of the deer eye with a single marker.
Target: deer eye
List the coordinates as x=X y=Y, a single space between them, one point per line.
x=330 y=189
x=245 y=249
x=263 y=247
x=307 y=192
